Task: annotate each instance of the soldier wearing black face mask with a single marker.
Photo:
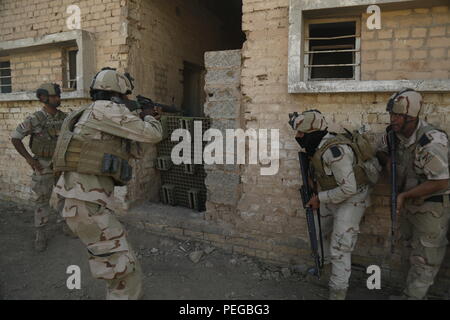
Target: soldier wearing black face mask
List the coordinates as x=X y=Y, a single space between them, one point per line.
x=342 y=197
x=43 y=127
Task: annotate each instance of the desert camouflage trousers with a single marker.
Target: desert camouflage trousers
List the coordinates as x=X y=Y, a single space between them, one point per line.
x=423 y=234
x=111 y=257
x=42 y=184
x=340 y=228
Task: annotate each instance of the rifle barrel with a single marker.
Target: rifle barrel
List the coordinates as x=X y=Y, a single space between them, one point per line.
x=306 y=193
x=166 y=108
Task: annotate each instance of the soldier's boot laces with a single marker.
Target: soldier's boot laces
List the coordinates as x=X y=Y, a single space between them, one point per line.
x=337 y=294
x=40 y=242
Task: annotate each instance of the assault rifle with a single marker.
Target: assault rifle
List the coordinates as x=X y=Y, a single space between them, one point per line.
x=394 y=187
x=306 y=193
x=144 y=103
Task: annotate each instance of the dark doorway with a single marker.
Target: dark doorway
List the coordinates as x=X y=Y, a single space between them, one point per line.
x=193 y=93
x=229 y=13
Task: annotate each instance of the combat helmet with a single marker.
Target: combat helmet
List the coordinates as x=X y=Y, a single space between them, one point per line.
x=48 y=89
x=108 y=79
x=406 y=101
x=308 y=121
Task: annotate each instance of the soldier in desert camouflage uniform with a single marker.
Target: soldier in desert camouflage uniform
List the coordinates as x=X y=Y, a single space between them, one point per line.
x=43 y=126
x=93 y=151
x=423 y=199
x=343 y=195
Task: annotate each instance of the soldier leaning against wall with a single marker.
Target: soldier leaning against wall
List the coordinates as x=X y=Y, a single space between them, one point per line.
x=343 y=195
x=43 y=127
x=423 y=200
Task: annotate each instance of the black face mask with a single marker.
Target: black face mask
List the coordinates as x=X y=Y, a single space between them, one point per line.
x=310 y=141
x=301 y=141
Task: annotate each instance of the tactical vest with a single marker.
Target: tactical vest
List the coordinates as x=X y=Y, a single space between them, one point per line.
x=327 y=182
x=43 y=145
x=409 y=153
x=76 y=153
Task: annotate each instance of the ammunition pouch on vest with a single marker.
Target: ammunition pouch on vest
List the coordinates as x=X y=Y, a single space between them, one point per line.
x=44 y=145
x=97 y=157
x=327 y=182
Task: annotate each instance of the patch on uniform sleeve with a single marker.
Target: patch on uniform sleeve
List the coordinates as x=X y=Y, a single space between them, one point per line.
x=424 y=140
x=335 y=151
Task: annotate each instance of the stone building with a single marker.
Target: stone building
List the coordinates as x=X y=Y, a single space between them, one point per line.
x=263 y=59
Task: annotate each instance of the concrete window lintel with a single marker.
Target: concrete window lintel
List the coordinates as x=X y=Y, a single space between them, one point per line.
x=85 y=60
x=296 y=83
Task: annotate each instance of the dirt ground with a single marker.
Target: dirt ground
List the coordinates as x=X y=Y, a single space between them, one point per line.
x=168 y=269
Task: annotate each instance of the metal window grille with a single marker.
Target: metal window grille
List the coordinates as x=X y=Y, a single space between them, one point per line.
x=71 y=68
x=5 y=77
x=332 y=49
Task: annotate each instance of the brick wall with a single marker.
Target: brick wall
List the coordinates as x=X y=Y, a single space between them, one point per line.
x=164 y=34
x=24 y=19
x=270 y=206
x=267 y=221
x=105 y=18
x=411 y=44
x=150 y=39
x=29 y=70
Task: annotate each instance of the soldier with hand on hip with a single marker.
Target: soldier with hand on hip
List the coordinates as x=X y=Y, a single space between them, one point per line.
x=43 y=127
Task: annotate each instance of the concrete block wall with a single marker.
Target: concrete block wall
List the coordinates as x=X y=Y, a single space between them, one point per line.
x=223 y=106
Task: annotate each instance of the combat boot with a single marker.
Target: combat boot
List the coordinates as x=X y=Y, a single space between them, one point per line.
x=40 y=243
x=325 y=274
x=337 y=294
